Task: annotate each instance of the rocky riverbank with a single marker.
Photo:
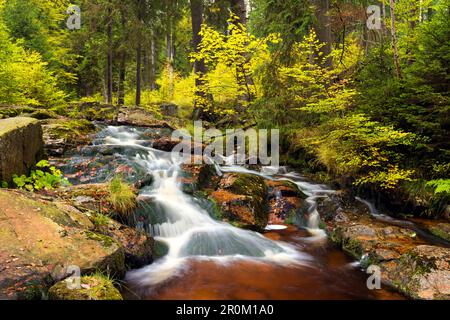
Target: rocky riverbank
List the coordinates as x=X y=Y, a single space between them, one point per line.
x=50 y=231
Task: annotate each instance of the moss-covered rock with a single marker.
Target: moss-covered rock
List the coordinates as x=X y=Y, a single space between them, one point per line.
x=286 y=201
x=21 y=146
x=243 y=200
x=94 y=287
x=7 y=111
x=40 y=240
x=61 y=135
x=441 y=230
x=93 y=201
x=421 y=273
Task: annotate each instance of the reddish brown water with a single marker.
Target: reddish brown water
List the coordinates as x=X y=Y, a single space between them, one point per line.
x=330 y=276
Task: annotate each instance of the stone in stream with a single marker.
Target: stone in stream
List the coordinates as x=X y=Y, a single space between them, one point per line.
x=63 y=134
x=21 y=146
x=407 y=262
x=243 y=200
x=286 y=201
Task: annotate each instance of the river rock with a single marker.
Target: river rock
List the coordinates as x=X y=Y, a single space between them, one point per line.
x=285 y=201
x=63 y=134
x=421 y=273
x=136 y=116
x=407 y=263
x=40 y=241
x=441 y=230
x=243 y=200
x=21 y=146
x=92 y=201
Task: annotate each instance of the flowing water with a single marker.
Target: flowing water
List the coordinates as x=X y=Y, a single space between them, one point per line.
x=210 y=259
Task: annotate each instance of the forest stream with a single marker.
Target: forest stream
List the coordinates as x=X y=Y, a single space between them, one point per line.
x=210 y=259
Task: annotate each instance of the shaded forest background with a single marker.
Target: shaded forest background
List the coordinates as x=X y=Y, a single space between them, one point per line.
x=366 y=109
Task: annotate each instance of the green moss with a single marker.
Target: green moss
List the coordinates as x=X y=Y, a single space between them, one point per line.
x=440 y=232
x=10 y=124
x=94 y=287
x=104 y=240
x=14 y=111
x=255 y=188
x=160 y=249
x=353 y=247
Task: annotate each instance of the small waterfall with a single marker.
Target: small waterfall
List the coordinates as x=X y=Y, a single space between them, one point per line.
x=184 y=227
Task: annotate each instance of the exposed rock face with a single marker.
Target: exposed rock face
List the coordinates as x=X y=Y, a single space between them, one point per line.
x=40 y=240
x=242 y=199
x=21 y=146
x=406 y=261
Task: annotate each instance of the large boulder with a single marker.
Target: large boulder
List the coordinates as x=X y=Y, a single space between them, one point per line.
x=285 y=201
x=243 y=200
x=63 y=134
x=40 y=240
x=21 y=146
x=406 y=261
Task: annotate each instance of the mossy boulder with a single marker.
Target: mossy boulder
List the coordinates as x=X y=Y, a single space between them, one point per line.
x=286 y=201
x=441 y=230
x=94 y=287
x=41 y=240
x=7 y=111
x=421 y=273
x=199 y=177
x=63 y=134
x=21 y=146
x=93 y=201
x=243 y=200
x=137 y=116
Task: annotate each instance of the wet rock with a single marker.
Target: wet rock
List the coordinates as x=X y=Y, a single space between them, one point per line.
x=421 y=273
x=441 y=230
x=95 y=287
x=61 y=135
x=41 y=240
x=285 y=201
x=21 y=146
x=167 y=144
x=138 y=246
x=92 y=202
x=242 y=199
x=199 y=177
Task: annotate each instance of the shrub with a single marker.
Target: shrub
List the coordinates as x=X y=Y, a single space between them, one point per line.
x=44 y=177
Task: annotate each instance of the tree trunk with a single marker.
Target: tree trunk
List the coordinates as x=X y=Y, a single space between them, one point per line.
x=199 y=65
x=122 y=73
x=239 y=8
x=152 y=76
x=170 y=55
x=323 y=30
x=394 y=40
x=109 y=68
x=138 y=74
